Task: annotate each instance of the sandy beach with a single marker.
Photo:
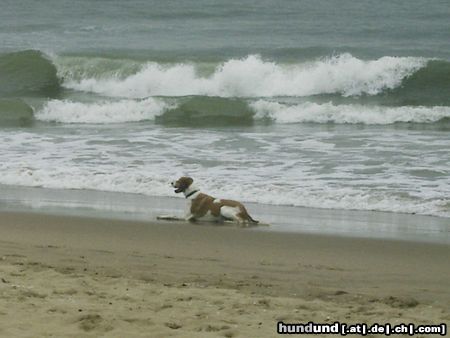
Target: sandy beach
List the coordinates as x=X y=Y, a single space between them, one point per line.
x=65 y=276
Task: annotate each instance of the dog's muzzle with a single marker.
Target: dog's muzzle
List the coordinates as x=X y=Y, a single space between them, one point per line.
x=178 y=189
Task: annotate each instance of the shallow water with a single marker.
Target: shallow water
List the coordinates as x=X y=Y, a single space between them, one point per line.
x=111 y=205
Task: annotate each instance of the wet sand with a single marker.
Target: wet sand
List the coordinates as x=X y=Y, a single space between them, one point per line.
x=70 y=276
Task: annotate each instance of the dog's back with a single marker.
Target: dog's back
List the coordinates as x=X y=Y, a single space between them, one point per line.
x=229 y=209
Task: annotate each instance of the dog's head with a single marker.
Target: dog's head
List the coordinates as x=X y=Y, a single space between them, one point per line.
x=182 y=184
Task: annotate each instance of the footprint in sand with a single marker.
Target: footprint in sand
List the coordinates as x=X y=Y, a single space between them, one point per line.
x=213 y=328
x=402 y=303
x=92 y=322
x=173 y=325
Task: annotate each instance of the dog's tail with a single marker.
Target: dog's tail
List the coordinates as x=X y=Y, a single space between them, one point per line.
x=249 y=218
x=244 y=215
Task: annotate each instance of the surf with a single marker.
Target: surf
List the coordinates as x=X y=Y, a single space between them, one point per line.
x=251 y=76
x=28 y=72
x=205 y=111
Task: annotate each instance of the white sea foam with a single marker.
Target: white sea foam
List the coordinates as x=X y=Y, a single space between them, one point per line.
x=157 y=185
x=322 y=174
x=329 y=113
x=128 y=110
x=254 y=77
x=101 y=112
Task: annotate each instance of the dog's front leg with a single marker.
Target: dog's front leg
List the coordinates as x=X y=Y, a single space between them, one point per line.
x=190 y=217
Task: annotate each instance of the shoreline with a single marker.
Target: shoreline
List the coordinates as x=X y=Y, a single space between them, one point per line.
x=136 y=207
x=207 y=281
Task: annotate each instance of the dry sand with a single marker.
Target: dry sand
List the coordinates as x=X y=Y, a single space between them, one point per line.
x=80 y=277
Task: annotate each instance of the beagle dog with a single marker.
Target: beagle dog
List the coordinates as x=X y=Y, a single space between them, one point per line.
x=204 y=207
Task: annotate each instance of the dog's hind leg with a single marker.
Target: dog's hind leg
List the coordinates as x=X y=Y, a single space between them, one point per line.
x=232 y=214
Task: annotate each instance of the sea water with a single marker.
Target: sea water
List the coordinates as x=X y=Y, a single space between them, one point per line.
x=323 y=104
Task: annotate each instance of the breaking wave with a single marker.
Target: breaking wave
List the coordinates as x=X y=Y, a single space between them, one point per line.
x=101 y=112
x=252 y=77
x=216 y=111
x=351 y=114
x=15 y=113
x=28 y=73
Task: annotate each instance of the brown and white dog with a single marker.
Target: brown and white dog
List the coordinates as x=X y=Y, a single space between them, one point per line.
x=204 y=207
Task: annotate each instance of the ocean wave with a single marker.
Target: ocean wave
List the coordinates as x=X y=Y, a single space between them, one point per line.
x=390 y=81
x=77 y=68
x=200 y=111
x=428 y=86
x=253 y=77
x=15 y=113
x=203 y=111
x=310 y=112
x=28 y=72
x=65 y=111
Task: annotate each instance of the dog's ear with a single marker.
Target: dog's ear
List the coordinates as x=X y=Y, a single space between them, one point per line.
x=185 y=182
